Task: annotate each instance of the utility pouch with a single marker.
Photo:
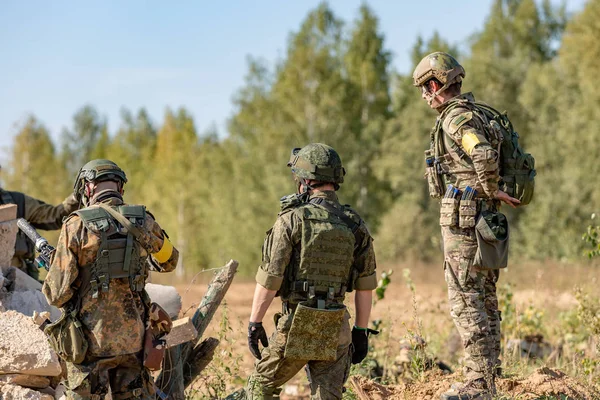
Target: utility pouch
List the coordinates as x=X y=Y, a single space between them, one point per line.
x=315 y=332
x=492 y=241
x=158 y=326
x=467 y=212
x=434 y=181
x=66 y=337
x=449 y=212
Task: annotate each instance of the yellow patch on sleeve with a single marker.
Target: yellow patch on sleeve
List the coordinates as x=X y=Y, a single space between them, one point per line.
x=163 y=255
x=469 y=141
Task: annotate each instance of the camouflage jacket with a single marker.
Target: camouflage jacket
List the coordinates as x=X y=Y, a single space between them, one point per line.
x=40 y=215
x=465 y=153
x=114 y=322
x=281 y=251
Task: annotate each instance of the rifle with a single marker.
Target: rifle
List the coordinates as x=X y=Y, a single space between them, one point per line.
x=41 y=245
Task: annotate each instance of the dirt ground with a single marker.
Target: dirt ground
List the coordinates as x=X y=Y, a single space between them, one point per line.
x=543 y=382
x=546 y=286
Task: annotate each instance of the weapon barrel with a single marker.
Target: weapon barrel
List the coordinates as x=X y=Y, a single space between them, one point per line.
x=31 y=233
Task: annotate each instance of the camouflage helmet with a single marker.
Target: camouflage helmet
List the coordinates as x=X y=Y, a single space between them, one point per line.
x=441 y=66
x=97 y=171
x=317 y=161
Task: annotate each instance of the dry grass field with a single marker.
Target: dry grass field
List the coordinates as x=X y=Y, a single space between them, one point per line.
x=538 y=300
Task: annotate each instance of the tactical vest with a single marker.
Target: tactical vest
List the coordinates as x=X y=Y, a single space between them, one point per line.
x=119 y=255
x=517 y=170
x=24 y=248
x=328 y=239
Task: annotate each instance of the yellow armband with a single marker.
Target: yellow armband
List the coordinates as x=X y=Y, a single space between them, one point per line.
x=165 y=252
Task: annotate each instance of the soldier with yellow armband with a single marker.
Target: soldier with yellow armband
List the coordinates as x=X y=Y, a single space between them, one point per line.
x=464 y=157
x=103 y=257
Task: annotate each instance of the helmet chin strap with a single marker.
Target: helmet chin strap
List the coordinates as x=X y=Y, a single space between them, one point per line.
x=304 y=187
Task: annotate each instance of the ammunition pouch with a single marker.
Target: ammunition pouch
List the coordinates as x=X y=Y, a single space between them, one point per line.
x=467 y=212
x=159 y=324
x=492 y=241
x=314 y=334
x=434 y=180
x=449 y=212
x=66 y=337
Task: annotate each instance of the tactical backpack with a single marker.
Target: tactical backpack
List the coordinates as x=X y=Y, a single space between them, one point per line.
x=517 y=168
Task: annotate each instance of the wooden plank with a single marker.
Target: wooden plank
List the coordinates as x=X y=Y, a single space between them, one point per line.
x=8 y=212
x=202 y=356
x=183 y=331
x=171 y=379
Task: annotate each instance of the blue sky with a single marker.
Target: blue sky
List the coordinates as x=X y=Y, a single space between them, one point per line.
x=57 y=56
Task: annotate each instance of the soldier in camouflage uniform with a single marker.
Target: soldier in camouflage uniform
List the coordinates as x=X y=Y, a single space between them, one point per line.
x=100 y=269
x=41 y=216
x=461 y=155
x=317 y=251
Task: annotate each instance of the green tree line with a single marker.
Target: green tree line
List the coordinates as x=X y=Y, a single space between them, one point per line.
x=217 y=195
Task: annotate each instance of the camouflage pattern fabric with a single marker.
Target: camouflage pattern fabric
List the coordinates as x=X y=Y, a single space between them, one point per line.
x=326 y=378
x=473 y=302
x=469 y=159
x=281 y=248
x=41 y=216
x=281 y=259
x=124 y=375
x=465 y=153
x=114 y=322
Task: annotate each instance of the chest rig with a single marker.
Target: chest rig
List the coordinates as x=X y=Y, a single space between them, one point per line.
x=326 y=252
x=119 y=255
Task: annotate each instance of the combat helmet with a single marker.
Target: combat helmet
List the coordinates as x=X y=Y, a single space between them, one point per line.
x=97 y=171
x=441 y=66
x=317 y=161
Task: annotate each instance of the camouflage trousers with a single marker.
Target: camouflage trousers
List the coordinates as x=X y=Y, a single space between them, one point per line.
x=125 y=375
x=326 y=378
x=473 y=302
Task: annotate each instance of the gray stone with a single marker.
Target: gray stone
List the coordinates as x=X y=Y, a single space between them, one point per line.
x=166 y=296
x=24 y=348
x=14 y=392
x=28 y=381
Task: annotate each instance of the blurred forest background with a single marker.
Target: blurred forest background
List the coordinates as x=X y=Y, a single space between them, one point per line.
x=216 y=195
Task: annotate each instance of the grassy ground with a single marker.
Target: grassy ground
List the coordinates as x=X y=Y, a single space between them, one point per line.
x=554 y=300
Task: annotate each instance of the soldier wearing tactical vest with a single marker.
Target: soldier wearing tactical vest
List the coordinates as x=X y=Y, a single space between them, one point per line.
x=464 y=155
x=41 y=216
x=99 y=271
x=317 y=251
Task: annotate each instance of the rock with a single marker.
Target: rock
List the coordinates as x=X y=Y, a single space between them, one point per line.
x=28 y=381
x=23 y=294
x=24 y=348
x=61 y=392
x=22 y=281
x=14 y=392
x=166 y=296
x=29 y=302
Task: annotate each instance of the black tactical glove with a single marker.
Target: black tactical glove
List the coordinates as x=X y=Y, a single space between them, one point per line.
x=256 y=332
x=360 y=341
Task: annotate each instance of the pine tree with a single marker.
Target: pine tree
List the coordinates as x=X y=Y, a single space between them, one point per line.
x=33 y=165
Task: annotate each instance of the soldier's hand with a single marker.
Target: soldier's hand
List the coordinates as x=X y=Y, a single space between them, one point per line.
x=360 y=341
x=256 y=332
x=505 y=198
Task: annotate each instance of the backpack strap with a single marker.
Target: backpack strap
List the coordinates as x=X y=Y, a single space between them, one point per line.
x=350 y=223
